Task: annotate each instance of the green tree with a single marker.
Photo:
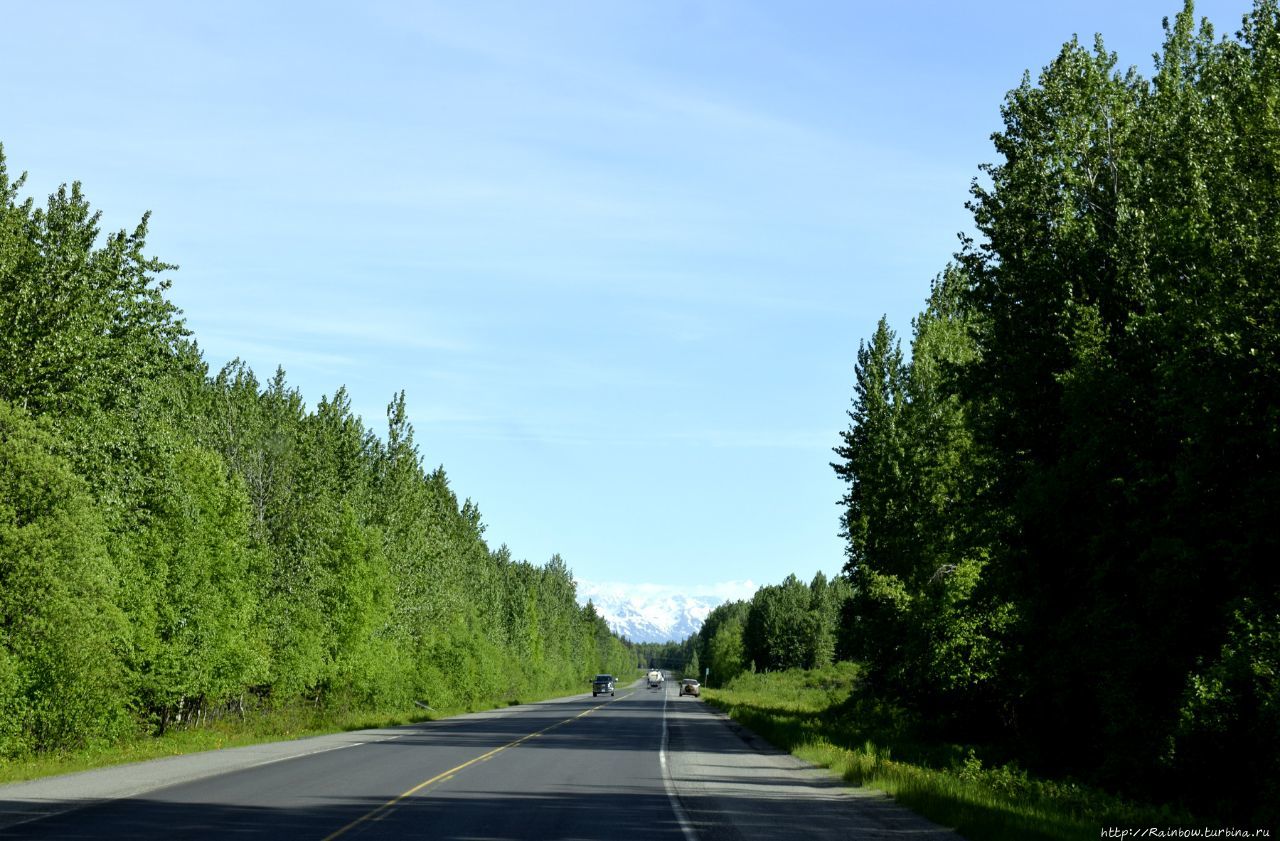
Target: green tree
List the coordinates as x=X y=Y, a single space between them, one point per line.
x=693 y=667
x=875 y=513
x=779 y=629
x=872 y=457
x=83 y=327
x=827 y=601
x=721 y=640
x=62 y=683
x=171 y=541
x=1124 y=389
x=192 y=605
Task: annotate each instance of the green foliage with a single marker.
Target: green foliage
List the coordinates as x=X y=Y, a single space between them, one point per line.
x=1230 y=717
x=85 y=325
x=1060 y=511
x=722 y=641
x=177 y=547
x=873 y=456
x=192 y=607
x=61 y=633
x=779 y=631
x=828 y=717
x=668 y=655
x=85 y=330
x=918 y=615
x=788 y=625
x=693 y=668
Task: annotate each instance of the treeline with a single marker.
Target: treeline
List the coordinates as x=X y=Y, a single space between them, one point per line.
x=176 y=543
x=791 y=625
x=1061 y=510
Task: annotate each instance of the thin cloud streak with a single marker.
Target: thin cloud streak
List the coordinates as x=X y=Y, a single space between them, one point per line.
x=368 y=328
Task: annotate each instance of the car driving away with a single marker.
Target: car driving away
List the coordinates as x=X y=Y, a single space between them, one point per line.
x=655 y=677
x=689 y=686
x=602 y=685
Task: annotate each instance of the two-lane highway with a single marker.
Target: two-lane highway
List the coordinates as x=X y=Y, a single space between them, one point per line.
x=580 y=767
x=646 y=763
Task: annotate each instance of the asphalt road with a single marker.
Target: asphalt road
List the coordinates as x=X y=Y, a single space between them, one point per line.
x=574 y=768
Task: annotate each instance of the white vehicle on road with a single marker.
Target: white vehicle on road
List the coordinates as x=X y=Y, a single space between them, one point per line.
x=655 y=677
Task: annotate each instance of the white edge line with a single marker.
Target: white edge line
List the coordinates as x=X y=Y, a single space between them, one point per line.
x=686 y=826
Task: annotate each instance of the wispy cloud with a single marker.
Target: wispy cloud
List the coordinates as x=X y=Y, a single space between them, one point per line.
x=219 y=345
x=368 y=327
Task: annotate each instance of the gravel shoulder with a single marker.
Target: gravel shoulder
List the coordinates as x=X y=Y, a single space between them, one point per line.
x=735 y=786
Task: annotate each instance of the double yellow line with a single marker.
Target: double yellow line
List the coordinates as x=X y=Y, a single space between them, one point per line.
x=379 y=812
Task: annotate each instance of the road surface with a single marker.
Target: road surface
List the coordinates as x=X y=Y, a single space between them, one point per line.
x=644 y=763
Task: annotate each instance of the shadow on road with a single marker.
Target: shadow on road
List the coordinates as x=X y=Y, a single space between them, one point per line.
x=466 y=815
x=600 y=786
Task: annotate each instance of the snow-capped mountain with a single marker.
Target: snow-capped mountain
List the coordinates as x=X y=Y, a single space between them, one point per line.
x=658 y=613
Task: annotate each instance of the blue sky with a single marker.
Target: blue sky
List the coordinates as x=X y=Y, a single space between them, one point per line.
x=619 y=256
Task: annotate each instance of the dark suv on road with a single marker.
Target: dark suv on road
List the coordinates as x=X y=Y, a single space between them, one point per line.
x=602 y=685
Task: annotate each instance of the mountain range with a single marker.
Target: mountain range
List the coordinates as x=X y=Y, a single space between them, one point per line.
x=655 y=613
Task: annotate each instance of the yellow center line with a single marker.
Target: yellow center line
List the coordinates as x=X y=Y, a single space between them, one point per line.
x=381 y=811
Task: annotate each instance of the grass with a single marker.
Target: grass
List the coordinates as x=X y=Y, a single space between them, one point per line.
x=810 y=714
x=259 y=726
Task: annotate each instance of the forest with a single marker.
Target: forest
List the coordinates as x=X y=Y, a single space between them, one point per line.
x=791 y=625
x=1060 y=500
x=1061 y=504
x=178 y=544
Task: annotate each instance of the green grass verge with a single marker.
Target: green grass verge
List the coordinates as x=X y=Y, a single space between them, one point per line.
x=809 y=713
x=259 y=726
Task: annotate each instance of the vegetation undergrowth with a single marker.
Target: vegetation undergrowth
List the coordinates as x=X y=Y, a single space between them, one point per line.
x=821 y=716
x=257 y=727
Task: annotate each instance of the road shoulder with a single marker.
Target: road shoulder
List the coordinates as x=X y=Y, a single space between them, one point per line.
x=735 y=786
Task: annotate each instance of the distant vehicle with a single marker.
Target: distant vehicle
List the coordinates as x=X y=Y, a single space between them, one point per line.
x=602 y=685
x=689 y=686
x=655 y=677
